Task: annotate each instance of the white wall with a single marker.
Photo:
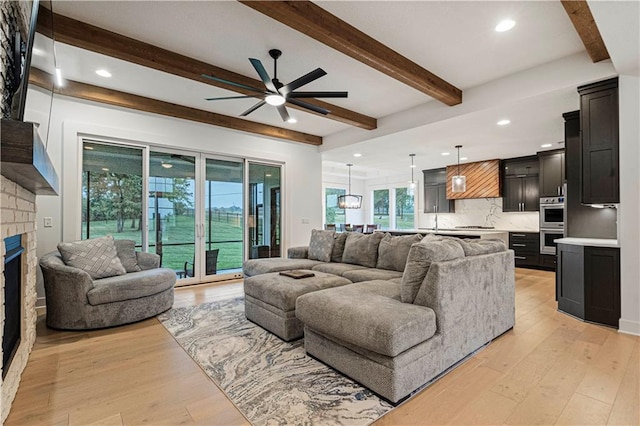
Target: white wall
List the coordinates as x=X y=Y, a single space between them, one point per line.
x=629 y=215
x=302 y=177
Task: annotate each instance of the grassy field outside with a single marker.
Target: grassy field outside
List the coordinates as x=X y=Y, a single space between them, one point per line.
x=405 y=221
x=181 y=230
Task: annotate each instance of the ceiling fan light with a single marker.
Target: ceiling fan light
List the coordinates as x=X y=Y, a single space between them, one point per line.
x=275 y=100
x=292 y=120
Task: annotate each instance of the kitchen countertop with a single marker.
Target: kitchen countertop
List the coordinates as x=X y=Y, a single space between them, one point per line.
x=482 y=233
x=591 y=242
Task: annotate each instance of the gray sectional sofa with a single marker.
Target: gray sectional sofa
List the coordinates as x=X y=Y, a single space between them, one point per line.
x=395 y=329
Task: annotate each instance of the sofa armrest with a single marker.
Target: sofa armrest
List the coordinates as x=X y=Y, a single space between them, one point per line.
x=147 y=260
x=298 y=252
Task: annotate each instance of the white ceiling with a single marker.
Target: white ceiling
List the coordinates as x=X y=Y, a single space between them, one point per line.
x=454 y=40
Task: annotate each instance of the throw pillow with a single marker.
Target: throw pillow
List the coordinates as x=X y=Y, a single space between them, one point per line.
x=320 y=245
x=393 y=251
x=97 y=256
x=338 y=246
x=126 y=250
x=421 y=256
x=362 y=249
x=475 y=247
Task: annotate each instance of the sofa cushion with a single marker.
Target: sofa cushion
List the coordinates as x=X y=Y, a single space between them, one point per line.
x=320 y=245
x=337 y=268
x=96 y=256
x=131 y=286
x=475 y=247
x=369 y=274
x=368 y=315
x=362 y=249
x=393 y=251
x=339 y=240
x=126 y=250
x=275 y=264
x=282 y=292
x=420 y=258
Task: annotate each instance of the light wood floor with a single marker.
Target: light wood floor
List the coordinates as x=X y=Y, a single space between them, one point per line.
x=550 y=369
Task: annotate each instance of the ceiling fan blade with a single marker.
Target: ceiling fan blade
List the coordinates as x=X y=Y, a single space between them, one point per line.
x=229 y=97
x=283 y=112
x=263 y=75
x=231 y=83
x=253 y=108
x=305 y=79
x=306 y=105
x=318 y=95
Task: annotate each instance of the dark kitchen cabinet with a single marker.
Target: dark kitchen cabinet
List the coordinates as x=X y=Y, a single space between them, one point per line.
x=600 y=144
x=435 y=192
x=520 y=184
x=588 y=283
x=552 y=173
x=548 y=261
x=526 y=247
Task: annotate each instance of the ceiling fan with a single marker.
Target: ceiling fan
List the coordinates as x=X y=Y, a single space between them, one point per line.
x=276 y=93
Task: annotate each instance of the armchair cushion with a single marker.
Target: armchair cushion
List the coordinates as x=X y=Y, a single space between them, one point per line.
x=126 y=250
x=131 y=286
x=97 y=256
x=320 y=245
x=475 y=247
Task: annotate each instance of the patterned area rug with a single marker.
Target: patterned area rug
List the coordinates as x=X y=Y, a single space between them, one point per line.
x=272 y=382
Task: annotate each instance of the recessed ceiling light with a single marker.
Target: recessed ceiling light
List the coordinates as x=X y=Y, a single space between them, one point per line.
x=103 y=73
x=503 y=122
x=445 y=153
x=546 y=145
x=106 y=169
x=292 y=120
x=463 y=158
x=167 y=165
x=505 y=25
x=357 y=154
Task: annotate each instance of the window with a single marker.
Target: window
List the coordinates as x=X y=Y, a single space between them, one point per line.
x=112 y=191
x=381 y=208
x=404 y=209
x=332 y=213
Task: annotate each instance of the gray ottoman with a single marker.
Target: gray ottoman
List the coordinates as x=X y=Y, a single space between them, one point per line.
x=270 y=300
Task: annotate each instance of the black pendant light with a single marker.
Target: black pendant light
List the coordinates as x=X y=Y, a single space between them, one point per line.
x=349 y=201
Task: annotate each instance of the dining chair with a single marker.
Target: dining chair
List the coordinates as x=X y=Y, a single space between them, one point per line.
x=370 y=228
x=358 y=228
x=330 y=226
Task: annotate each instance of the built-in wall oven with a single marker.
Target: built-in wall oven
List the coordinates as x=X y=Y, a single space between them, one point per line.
x=551 y=223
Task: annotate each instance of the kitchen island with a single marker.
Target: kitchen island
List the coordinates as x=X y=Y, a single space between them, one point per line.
x=460 y=233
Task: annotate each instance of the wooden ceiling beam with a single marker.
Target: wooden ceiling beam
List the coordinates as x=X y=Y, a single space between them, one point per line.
x=140 y=103
x=95 y=39
x=585 y=25
x=317 y=23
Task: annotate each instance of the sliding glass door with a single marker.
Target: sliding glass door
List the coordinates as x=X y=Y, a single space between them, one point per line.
x=172 y=210
x=264 y=239
x=202 y=214
x=223 y=216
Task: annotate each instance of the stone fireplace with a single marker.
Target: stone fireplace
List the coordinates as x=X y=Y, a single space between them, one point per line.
x=18 y=218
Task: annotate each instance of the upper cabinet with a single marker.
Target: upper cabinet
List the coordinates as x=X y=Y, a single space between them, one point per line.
x=520 y=184
x=599 y=135
x=435 y=192
x=551 y=173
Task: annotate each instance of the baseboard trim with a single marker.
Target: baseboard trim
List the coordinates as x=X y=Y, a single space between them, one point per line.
x=629 y=327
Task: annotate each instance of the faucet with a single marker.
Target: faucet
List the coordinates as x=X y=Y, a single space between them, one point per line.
x=436 y=227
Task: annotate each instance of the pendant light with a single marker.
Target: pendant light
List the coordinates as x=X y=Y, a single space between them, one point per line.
x=349 y=201
x=458 y=182
x=412 y=184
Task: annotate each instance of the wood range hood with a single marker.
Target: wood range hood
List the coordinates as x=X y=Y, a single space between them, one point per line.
x=24 y=160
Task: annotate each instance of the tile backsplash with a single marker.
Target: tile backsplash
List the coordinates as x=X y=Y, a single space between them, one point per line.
x=483 y=212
